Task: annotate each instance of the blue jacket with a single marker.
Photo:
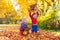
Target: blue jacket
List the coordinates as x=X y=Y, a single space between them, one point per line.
x=23 y=26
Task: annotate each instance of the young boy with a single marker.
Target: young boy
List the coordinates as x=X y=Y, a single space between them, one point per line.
x=23 y=25
x=33 y=13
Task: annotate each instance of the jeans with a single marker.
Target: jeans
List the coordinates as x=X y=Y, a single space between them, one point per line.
x=35 y=28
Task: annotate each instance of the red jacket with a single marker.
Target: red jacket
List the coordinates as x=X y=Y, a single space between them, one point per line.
x=34 y=20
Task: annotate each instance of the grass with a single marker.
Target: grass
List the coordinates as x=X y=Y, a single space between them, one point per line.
x=9 y=28
x=54 y=31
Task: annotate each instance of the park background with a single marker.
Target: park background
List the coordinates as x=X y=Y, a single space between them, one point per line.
x=12 y=12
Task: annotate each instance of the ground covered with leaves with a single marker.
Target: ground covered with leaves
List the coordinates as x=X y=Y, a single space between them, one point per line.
x=41 y=35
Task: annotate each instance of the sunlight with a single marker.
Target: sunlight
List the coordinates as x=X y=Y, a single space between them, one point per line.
x=15 y=5
x=39 y=3
x=14 y=1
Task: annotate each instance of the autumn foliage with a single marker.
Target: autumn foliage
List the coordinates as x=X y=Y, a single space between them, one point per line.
x=48 y=19
x=41 y=35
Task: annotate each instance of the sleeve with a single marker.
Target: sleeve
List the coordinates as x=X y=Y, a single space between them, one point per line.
x=30 y=14
x=21 y=26
x=37 y=14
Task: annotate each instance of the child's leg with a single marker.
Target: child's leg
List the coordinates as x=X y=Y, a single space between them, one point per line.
x=35 y=28
x=32 y=30
x=21 y=31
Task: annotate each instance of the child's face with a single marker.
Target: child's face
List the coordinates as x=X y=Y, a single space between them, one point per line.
x=25 y=21
x=35 y=16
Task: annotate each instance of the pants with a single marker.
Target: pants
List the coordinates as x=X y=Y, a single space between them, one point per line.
x=35 y=28
x=21 y=31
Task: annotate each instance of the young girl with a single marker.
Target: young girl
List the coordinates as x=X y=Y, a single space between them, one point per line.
x=33 y=13
x=23 y=25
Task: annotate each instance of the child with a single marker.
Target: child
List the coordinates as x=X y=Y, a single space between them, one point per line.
x=23 y=25
x=33 y=13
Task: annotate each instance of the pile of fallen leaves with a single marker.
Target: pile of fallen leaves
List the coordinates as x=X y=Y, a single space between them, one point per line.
x=41 y=35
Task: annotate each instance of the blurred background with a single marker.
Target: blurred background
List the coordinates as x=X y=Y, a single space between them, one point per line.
x=12 y=12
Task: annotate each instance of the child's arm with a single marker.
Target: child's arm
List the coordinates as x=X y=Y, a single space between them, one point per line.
x=37 y=14
x=30 y=13
x=22 y=26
